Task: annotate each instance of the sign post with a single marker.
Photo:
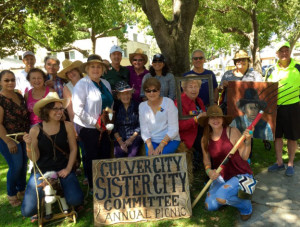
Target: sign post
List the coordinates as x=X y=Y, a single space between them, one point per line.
x=140 y=189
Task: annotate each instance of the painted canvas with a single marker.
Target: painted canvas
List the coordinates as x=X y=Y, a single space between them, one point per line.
x=246 y=99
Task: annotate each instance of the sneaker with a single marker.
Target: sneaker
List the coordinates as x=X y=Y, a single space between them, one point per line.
x=290 y=171
x=275 y=167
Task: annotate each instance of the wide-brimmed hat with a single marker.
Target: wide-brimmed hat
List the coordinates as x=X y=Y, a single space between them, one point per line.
x=122 y=86
x=68 y=66
x=240 y=54
x=51 y=97
x=251 y=96
x=92 y=58
x=138 y=51
x=158 y=57
x=214 y=111
x=282 y=44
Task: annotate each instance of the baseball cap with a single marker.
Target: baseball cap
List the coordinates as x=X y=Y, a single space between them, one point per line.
x=158 y=57
x=28 y=53
x=115 y=48
x=282 y=44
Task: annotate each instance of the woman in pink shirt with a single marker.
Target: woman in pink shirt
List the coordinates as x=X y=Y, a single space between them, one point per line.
x=37 y=79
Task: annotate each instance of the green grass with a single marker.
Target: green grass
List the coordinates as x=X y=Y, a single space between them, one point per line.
x=226 y=216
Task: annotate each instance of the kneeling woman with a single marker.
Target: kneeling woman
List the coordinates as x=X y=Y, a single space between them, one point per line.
x=217 y=141
x=44 y=138
x=158 y=121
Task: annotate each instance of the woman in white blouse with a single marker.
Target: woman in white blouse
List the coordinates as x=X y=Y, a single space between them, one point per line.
x=91 y=95
x=158 y=121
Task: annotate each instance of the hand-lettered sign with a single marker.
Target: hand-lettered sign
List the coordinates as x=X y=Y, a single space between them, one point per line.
x=141 y=189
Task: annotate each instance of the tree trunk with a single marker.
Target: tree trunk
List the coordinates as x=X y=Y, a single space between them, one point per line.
x=254 y=43
x=173 y=36
x=93 y=39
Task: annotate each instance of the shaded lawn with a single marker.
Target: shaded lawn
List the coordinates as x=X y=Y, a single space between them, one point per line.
x=226 y=216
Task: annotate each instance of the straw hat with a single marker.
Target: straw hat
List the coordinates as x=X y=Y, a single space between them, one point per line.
x=51 y=97
x=214 y=111
x=68 y=66
x=92 y=58
x=251 y=96
x=138 y=51
x=241 y=54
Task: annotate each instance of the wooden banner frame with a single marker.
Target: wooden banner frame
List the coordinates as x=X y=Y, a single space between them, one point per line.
x=141 y=189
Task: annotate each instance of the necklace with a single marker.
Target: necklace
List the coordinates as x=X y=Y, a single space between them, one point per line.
x=53 y=147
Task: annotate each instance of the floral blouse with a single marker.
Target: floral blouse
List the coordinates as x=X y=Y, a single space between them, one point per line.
x=15 y=117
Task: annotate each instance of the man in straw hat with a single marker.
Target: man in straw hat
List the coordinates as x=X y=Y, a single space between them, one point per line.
x=116 y=72
x=250 y=105
x=137 y=71
x=52 y=145
x=217 y=141
x=287 y=73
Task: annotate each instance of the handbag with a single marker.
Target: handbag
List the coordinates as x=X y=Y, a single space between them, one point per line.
x=77 y=161
x=246 y=187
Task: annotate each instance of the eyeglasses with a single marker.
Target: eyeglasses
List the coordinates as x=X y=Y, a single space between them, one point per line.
x=139 y=60
x=55 y=109
x=157 y=61
x=9 y=80
x=149 y=91
x=198 y=58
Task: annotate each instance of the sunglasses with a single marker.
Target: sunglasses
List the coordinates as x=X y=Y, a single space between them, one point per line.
x=9 y=80
x=157 y=61
x=139 y=60
x=198 y=58
x=58 y=109
x=242 y=60
x=149 y=91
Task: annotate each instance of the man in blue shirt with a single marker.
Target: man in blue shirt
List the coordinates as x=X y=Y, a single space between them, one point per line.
x=198 y=59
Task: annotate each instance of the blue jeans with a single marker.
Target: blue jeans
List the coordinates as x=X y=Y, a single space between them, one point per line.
x=17 y=168
x=228 y=192
x=170 y=148
x=70 y=186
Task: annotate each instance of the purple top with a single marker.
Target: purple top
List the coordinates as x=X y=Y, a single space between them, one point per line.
x=135 y=81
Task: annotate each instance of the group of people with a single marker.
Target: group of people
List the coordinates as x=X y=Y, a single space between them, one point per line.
x=59 y=111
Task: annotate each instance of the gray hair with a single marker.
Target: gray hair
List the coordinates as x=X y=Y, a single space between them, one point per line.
x=184 y=83
x=200 y=51
x=53 y=58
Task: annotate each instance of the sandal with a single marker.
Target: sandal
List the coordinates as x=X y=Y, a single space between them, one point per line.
x=14 y=201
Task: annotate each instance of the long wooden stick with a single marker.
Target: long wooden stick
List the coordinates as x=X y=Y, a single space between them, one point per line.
x=228 y=156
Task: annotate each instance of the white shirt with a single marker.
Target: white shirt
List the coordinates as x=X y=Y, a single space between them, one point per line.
x=156 y=126
x=87 y=102
x=22 y=84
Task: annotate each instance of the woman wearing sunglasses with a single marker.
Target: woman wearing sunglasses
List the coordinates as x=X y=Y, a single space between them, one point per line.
x=137 y=71
x=14 y=118
x=160 y=71
x=158 y=121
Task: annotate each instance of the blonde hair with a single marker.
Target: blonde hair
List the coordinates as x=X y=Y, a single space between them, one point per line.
x=184 y=83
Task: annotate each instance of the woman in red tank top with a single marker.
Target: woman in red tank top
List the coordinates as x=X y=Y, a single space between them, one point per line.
x=217 y=141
